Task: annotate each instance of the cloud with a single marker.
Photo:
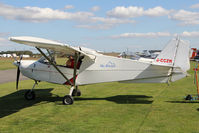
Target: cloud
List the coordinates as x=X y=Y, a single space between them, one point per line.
x=186 y=17
x=190 y=34
x=111 y=20
x=96 y=26
x=116 y=16
x=123 y=12
x=142 y=35
x=134 y=11
x=194 y=6
x=183 y=16
x=156 y=11
x=95 y=8
x=69 y=7
x=102 y=23
x=36 y=14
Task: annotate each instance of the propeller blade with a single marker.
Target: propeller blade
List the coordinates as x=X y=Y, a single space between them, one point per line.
x=18 y=74
x=14 y=57
x=21 y=57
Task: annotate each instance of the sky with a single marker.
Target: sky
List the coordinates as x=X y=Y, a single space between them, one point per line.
x=103 y=25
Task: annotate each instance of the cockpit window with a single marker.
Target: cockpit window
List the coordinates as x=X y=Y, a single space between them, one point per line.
x=50 y=55
x=43 y=60
x=67 y=61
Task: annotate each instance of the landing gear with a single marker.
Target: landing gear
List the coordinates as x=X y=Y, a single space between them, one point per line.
x=68 y=100
x=188 y=97
x=30 y=94
x=76 y=92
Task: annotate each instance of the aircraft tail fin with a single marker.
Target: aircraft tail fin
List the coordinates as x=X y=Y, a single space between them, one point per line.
x=176 y=55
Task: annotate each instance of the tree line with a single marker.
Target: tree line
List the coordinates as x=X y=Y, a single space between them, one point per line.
x=26 y=52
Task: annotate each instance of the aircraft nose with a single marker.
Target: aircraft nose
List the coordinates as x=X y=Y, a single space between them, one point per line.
x=16 y=63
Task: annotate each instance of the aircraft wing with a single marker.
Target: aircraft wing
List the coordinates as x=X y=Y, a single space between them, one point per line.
x=49 y=44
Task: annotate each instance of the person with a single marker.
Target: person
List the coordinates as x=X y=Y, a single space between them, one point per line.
x=70 y=62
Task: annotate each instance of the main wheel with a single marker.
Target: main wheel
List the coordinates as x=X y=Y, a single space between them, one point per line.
x=29 y=95
x=76 y=92
x=188 y=97
x=68 y=100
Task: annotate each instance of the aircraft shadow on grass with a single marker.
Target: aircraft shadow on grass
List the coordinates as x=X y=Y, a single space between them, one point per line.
x=123 y=99
x=15 y=101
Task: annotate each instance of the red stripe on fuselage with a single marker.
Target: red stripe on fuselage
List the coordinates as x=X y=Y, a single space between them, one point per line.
x=71 y=80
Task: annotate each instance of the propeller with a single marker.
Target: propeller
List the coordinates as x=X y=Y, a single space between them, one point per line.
x=18 y=71
x=18 y=74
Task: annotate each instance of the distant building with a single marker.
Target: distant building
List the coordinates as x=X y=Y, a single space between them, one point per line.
x=7 y=55
x=14 y=55
x=26 y=56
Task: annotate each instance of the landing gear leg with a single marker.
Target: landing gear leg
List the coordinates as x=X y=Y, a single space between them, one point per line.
x=30 y=94
x=68 y=99
x=76 y=92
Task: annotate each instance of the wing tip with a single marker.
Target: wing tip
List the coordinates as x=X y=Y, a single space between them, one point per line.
x=10 y=38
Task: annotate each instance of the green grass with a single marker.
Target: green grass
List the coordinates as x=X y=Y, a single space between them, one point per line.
x=61 y=61
x=102 y=108
x=6 y=63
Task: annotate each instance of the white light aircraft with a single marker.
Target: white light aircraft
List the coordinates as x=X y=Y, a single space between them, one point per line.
x=90 y=67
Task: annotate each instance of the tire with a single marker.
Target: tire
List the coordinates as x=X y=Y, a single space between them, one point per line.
x=188 y=97
x=76 y=92
x=29 y=95
x=68 y=100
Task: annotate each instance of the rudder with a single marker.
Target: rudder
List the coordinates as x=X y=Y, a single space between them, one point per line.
x=175 y=55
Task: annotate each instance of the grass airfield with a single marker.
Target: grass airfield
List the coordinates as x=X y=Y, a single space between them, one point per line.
x=107 y=107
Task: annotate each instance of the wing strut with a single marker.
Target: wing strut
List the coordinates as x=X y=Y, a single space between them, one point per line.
x=75 y=67
x=52 y=63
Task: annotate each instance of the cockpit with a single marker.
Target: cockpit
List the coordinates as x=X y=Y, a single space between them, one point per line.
x=67 y=61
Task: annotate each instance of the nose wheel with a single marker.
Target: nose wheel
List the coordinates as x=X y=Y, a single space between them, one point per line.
x=29 y=95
